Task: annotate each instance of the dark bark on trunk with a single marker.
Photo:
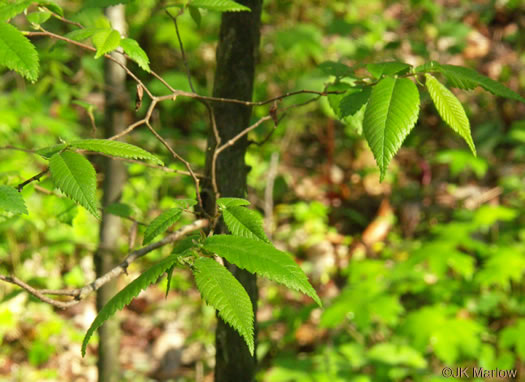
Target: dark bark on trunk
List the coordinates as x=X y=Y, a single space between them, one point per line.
x=110 y=227
x=234 y=77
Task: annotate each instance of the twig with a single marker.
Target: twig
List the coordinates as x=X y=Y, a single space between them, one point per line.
x=211 y=115
x=181 y=45
x=81 y=293
x=161 y=168
x=32 y=179
x=17 y=149
x=44 y=32
x=178 y=157
x=134 y=125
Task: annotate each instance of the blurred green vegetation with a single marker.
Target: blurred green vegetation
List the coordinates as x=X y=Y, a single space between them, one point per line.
x=432 y=279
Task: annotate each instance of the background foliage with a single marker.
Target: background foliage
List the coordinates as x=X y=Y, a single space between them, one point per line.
x=422 y=271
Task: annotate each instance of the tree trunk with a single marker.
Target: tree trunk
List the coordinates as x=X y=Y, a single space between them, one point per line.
x=234 y=77
x=110 y=227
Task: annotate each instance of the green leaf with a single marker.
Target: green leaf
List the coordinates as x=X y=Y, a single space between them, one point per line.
x=336 y=69
x=124 y=297
x=232 y=202
x=104 y=3
x=67 y=212
x=48 y=152
x=114 y=148
x=390 y=115
x=353 y=102
x=225 y=293
x=75 y=176
x=136 y=53
x=119 y=209
x=334 y=100
x=11 y=200
x=195 y=15
x=17 y=53
x=106 y=41
x=83 y=34
x=38 y=17
x=10 y=10
x=169 y=272
x=219 y=5
x=185 y=244
x=161 y=223
x=450 y=109
x=387 y=68
x=184 y=203
x=466 y=78
x=244 y=222
x=263 y=259
x=52 y=6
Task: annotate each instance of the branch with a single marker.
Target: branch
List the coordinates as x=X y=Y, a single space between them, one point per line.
x=81 y=293
x=44 y=32
x=32 y=179
x=178 y=157
x=17 y=149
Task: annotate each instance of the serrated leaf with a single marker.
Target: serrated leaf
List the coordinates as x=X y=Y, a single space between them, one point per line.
x=114 y=148
x=219 y=5
x=466 y=78
x=17 y=53
x=119 y=209
x=10 y=10
x=258 y=257
x=232 y=202
x=185 y=244
x=38 y=17
x=11 y=200
x=195 y=15
x=244 y=222
x=104 y=3
x=161 y=223
x=431 y=66
x=75 y=176
x=169 y=272
x=450 y=109
x=124 y=297
x=48 y=152
x=83 y=34
x=106 y=41
x=350 y=104
x=136 y=53
x=336 y=69
x=225 y=293
x=390 y=115
x=387 y=68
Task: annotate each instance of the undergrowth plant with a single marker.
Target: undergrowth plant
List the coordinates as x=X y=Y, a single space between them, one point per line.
x=387 y=101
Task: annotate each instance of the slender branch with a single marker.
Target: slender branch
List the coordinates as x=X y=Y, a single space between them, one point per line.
x=232 y=141
x=182 y=93
x=81 y=293
x=178 y=157
x=63 y=19
x=181 y=45
x=143 y=121
x=44 y=32
x=17 y=149
x=161 y=168
x=211 y=115
x=32 y=179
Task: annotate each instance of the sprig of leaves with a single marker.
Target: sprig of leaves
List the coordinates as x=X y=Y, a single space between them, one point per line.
x=124 y=297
